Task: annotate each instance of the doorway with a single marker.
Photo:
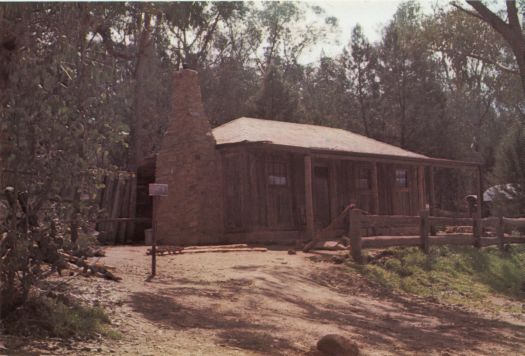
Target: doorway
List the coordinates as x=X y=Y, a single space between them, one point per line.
x=321 y=192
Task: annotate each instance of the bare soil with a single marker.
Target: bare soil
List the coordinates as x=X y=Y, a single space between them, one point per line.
x=269 y=303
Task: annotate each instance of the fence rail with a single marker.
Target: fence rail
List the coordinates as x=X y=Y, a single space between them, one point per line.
x=426 y=224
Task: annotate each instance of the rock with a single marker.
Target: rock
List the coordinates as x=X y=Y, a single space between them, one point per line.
x=338 y=259
x=337 y=345
x=292 y=252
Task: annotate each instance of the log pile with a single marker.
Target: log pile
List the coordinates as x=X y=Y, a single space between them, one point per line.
x=87 y=269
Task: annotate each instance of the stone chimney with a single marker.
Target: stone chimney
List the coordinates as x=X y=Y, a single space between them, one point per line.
x=189 y=163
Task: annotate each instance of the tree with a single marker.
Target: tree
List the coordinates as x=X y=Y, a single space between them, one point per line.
x=362 y=67
x=325 y=98
x=511 y=30
x=509 y=171
x=275 y=100
x=412 y=104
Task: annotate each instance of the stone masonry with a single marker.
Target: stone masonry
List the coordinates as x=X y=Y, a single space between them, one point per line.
x=189 y=163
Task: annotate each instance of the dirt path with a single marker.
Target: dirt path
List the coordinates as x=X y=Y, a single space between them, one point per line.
x=264 y=303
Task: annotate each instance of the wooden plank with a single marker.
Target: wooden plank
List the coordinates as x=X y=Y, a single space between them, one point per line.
x=439 y=240
x=132 y=209
x=124 y=210
x=424 y=230
x=393 y=241
x=246 y=201
x=390 y=241
x=480 y=193
x=222 y=250
x=490 y=221
x=421 y=187
x=355 y=235
x=500 y=233
x=309 y=206
x=476 y=231
x=375 y=189
x=439 y=220
x=514 y=222
x=332 y=186
x=432 y=198
x=432 y=191
x=115 y=209
x=388 y=220
x=214 y=246
x=136 y=220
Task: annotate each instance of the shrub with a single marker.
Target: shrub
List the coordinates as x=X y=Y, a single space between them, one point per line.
x=43 y=316
x=461 y=275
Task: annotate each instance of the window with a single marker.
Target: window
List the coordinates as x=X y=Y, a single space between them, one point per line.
x=364 y=180
x=277 y=173
x=401 y=178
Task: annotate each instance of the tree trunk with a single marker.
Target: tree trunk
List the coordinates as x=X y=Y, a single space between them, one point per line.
x=140 y=115
x=511 y=31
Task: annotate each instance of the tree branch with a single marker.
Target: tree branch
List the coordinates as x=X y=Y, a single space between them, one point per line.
x=471 y=13
x=499 y=65
x=105 y=33
x=493 y=20
x=512 y=12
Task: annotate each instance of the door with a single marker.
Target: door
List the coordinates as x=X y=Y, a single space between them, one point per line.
x=321 y=192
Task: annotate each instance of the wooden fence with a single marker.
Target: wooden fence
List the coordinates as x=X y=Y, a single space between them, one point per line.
x=360 y=223
x=117 y=203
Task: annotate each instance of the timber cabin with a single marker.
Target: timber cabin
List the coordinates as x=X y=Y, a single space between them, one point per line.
x=254 y=180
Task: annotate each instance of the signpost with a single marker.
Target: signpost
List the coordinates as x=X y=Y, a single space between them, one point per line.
x=156 y=191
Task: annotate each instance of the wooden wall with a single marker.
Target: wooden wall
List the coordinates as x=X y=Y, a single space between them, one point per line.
x=265 y=190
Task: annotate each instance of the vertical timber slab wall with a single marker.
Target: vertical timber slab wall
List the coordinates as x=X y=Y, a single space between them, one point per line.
x=189 y=163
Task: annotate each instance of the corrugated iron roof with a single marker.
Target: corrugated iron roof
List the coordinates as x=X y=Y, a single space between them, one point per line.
x=315 y=137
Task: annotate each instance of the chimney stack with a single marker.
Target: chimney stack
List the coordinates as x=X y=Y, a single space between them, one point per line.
x=189 y=163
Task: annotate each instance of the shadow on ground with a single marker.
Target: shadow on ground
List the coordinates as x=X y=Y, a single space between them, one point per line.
x=373 y=316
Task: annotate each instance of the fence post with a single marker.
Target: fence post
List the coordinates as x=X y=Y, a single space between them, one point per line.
x=476 y=231
x=500 y=232
x=355 y=235
x=424 y=228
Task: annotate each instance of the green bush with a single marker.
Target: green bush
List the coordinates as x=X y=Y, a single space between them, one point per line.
x=47 y=317
x=461 y=275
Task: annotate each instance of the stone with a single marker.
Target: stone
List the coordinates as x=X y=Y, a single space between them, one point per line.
x=292 y=252
x=338 y=259
x=337 y=345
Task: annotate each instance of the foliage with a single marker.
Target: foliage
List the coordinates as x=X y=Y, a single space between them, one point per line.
x=43 y=316
x=509 y=172
x=25 y=247
x=457 y=275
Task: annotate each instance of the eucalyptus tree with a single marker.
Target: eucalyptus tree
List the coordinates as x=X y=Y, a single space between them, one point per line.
x=362 y=67
x=412 y=101
x=510 y=29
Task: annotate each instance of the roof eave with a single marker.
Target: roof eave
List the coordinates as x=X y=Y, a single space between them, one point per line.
x=429 y=161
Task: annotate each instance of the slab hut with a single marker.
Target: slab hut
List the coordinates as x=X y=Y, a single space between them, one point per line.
x=254 y=180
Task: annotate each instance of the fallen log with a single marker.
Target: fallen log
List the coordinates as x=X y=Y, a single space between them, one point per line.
x=165 y=250
x=96 y=269
x=216 y=246
x=205 y=249
x=252 y=249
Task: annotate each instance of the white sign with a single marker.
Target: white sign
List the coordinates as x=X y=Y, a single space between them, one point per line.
x=158 y=190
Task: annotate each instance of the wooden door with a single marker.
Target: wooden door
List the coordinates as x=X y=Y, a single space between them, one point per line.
x=279 y=191
x=232 y=192
x=405 y=190
x=321 y=192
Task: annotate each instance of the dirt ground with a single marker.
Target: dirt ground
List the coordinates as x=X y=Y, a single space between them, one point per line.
x=271 y=303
